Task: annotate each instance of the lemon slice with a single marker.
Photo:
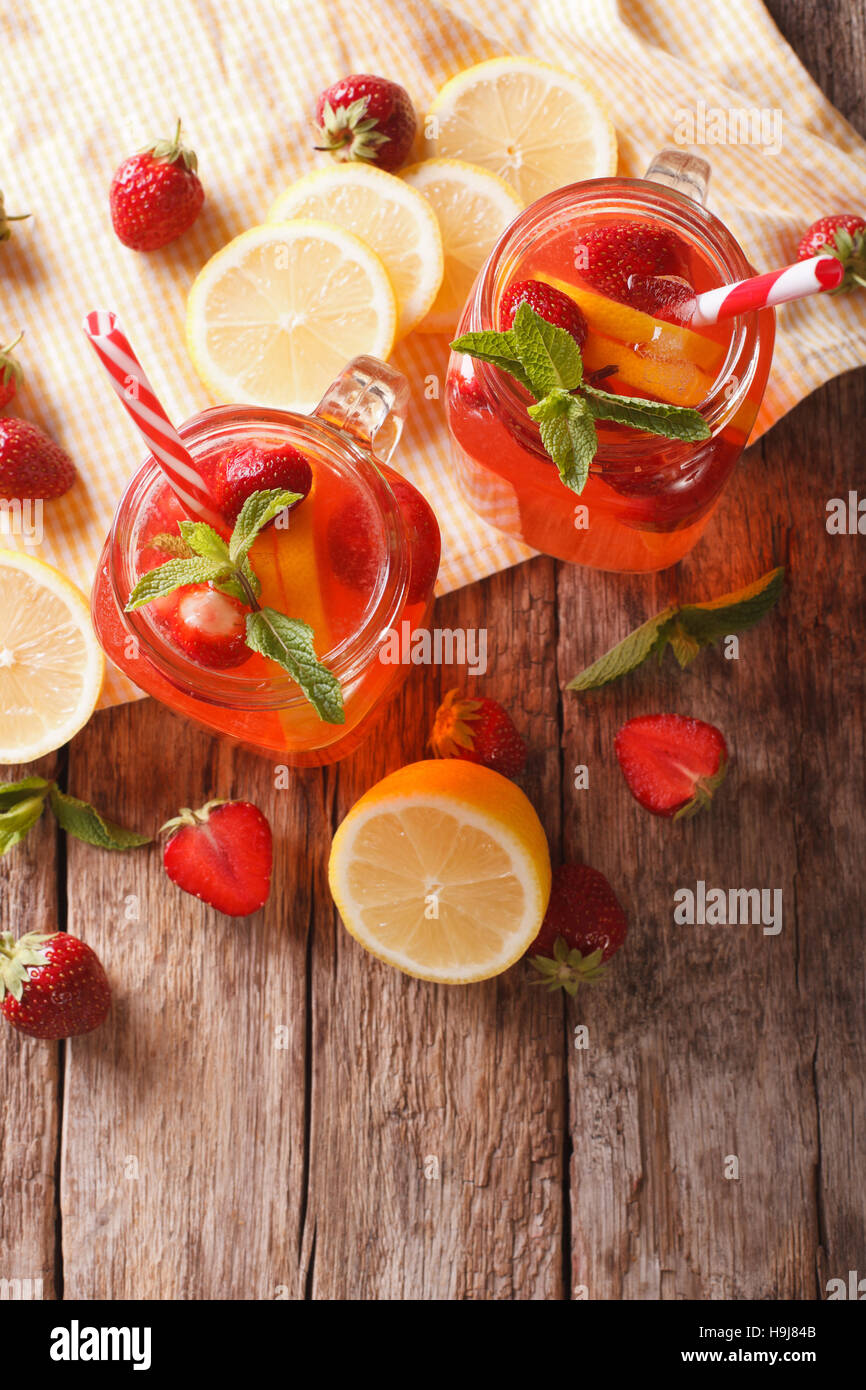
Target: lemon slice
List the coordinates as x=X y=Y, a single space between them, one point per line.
x=274 y=316
x=528 y=122
x=473 y=208
x=442 y=870
x=51 y=665
x=391 y=217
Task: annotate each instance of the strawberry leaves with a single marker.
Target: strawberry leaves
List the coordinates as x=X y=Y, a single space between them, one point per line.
x=686 y=629
x=225 y=564
x=547 y=361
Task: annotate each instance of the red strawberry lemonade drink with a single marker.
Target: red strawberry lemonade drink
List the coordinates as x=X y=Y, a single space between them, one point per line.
x=616 y=264
x=353 y=557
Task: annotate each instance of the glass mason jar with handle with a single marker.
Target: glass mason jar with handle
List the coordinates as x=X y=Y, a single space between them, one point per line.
x=647 y=499
x=343 y=563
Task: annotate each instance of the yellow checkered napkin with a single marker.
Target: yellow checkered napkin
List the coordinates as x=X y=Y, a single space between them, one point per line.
x=86 y=84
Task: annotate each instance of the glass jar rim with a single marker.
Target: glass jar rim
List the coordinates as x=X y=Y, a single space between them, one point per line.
x=678 y=211
x=353 y=654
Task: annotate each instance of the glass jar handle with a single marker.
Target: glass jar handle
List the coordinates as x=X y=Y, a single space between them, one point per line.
x=369 y=401
x=687 y=173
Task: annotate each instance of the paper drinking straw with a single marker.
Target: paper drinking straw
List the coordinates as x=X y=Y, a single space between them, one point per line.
x=127 y=376
x=777 y=287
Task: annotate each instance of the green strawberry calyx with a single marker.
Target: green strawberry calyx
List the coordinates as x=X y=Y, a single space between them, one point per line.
x=6 y=218
x=568 y=968
x=173 y=151
x=850 y=249
x=10 y=369
x=347 y=132
x=16 y=958
x=186 y=816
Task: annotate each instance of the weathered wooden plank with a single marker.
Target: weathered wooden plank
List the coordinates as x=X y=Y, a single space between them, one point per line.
x=30 y=1069
x=184 y=1137
x=436 y=1163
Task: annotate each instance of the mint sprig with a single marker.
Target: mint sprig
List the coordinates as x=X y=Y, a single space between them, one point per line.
x=22 y=804
x=546 y=360
x=226 y=564
x=687 y=629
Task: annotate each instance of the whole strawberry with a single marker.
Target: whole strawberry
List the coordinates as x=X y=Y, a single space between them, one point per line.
x=222 y=854
x=156 y=195
x=10 y=373
x=673 y=764
x=842 y=235
x=249 y=468
x=478 y=731
x=31 y=464
x=547 y=301
x=583 y=926
x=368 y=118
x=6 y=218
x=611 y=254
x=52 y=985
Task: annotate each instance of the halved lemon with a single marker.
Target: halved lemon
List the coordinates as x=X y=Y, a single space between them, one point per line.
x=473 y=208
x=51 y=665
x=274 y=316
x=393 y=219
x=669 y=342
x=532 y=124
x=442 y=870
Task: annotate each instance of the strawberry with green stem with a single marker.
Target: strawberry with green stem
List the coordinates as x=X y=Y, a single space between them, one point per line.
x=222 y=854
x=52 y=985
x=584 y=925
x=842 y=235
x=478 y=731
x=156 y=195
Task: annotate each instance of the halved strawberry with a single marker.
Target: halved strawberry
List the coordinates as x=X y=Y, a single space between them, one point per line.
x=478 y=731
x=611 y=254
x=222 y=854
x=673 y=764
x=249 y=468
x=209 y=627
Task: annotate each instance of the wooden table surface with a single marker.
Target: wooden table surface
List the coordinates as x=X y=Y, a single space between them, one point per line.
x=269 y=1112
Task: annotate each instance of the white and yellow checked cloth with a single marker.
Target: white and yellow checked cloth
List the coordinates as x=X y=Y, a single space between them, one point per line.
x=86 y=82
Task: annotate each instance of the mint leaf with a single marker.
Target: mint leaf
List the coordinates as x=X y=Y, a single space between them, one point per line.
x=627 y=655
x=204 y=540
x=166 y=578
x=19 y=819
x=289 y=643
x=548 y=354
x=235 y=588
x=499 y=349
x=656 y=417
x=555 y=404
x=257 y=511
x=687 y=628
x=736 y=612
x=11 y=793
x=571 y=441
x=86 y=823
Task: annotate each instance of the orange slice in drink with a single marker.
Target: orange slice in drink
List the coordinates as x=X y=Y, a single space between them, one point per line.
x=678 y=382
x=669 y=342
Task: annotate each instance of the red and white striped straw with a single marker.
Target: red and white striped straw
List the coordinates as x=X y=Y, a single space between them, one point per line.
x=777 y=287
x=127 y=376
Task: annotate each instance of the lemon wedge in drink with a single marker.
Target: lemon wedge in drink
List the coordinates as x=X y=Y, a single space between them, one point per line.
x=526 y=121
x=442 y=870
x=393 y=219
x=473 y=208
x=274 y=316
x=51 y=665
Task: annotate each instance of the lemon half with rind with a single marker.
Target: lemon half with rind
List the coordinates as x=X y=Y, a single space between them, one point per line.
x=529 y=122
x=51 y=664
x=274 y=316
x=473 y=208
x=393 y=219
x=442 y=870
